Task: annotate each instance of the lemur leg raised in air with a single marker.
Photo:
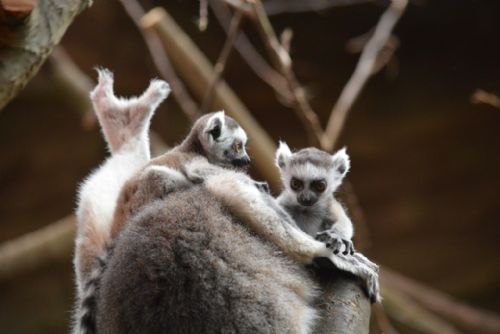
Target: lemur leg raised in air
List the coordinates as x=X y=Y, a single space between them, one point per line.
x=125 y=124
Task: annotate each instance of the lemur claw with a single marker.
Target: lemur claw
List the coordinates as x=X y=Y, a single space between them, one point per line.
x=262 y=186
x=333 y=241
x=349 y=247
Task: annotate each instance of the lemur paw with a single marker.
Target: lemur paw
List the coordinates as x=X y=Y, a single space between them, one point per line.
x=332 y=240
x=262 y=186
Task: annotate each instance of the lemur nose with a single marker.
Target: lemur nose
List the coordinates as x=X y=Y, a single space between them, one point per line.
x=306 y=201
x=242 y=162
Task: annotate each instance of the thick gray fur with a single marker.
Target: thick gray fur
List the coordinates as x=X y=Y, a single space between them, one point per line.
x=194 y=268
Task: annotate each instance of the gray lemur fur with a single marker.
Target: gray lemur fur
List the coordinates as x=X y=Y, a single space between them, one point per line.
x=310 y=178
x=184 y=264
x=125 y=125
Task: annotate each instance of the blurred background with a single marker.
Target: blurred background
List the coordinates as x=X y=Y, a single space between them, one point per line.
x=425 y=157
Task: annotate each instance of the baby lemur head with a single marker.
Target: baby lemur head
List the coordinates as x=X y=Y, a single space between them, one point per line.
x=311 y=176
x=222 y=140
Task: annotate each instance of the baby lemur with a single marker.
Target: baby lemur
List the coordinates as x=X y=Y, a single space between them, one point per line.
x=310 y=178
x=125 y=125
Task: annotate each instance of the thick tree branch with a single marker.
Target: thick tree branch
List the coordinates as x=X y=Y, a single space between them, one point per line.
x=34 y=250
x=26 y=46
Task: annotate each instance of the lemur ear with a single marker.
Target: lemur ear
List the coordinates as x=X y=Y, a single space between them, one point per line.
x=341 y=162
x=283 y=154
x=215 y=124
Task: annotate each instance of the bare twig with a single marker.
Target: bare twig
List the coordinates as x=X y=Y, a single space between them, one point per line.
x=356 y=45
x=282 y=61
x=464 y=316
x=363 y=71
x=220 y=66
x=162 y=62
x=247 y=51
x=481 y=96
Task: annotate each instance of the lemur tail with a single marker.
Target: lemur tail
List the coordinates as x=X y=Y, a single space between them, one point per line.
x=86 y=308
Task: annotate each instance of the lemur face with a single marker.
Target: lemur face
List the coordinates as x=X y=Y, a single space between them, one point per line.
x=225 y=141
x=311 y=175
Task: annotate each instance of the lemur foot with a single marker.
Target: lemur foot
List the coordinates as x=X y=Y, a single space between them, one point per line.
x=157 y=91
x=335 y=242
x=262 y=186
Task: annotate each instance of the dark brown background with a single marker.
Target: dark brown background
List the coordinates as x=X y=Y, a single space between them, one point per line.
x=425 y=161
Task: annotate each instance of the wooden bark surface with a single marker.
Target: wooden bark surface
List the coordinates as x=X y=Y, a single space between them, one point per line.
x=26 y=43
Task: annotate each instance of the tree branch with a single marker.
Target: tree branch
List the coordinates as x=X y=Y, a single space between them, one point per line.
x=362 y=73
x=283 y=63
x=220 y=66
x=27 y=45
x=407 y=312
x=52 y=243
x=74 y=85
x=247 y=51
x=465 y=316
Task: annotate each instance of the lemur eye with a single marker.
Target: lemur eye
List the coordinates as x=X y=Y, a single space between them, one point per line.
x=296 y=184
x=237 y=147
x=319 y=186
